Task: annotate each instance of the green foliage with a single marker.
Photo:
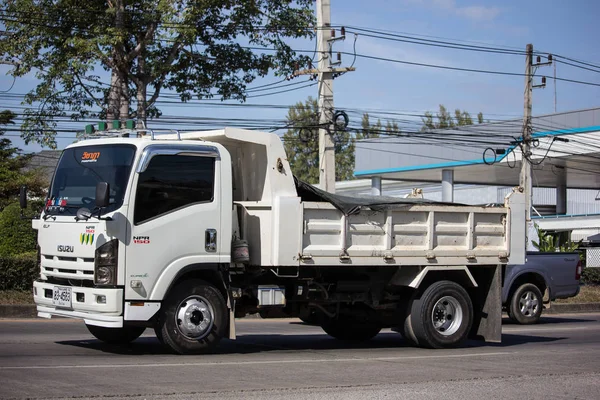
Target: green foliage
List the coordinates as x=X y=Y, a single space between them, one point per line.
x=16 y=234
x=12 y=163
x=369 y=130
x=552 y=242
x=590 y=276
x=199 y=49
x=301 y=142
x=445 y=120
x=546 y=242
x=18 y=272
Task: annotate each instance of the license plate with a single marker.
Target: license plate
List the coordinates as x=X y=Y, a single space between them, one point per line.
x=62 y=296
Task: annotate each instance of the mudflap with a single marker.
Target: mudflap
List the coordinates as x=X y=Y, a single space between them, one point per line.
x=487 y=304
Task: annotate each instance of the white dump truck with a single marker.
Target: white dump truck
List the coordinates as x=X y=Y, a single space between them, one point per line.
x=184 y=232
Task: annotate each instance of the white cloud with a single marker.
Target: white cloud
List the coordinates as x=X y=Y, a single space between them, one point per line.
x=477 y=13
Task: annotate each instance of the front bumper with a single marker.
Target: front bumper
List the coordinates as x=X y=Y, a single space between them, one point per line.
x=85 y=304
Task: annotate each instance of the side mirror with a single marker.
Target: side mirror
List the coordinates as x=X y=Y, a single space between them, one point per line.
x=23 y=196
x=102 y=194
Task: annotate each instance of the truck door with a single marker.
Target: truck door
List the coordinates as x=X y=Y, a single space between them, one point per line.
x=175 y=218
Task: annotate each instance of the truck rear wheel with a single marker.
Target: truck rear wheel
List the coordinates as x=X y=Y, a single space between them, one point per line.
x=526 y=304
x=194 y=317
x=356 y=324
x=350 y=330
x=124 y=335
x=439 y=317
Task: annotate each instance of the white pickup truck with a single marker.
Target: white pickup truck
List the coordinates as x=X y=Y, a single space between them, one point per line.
x=184 y=232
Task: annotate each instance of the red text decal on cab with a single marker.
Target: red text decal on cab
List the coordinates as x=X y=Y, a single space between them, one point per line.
x=90 y=157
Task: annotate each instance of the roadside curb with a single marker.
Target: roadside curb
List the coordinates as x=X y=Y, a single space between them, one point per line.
x=17 y=311
x=29 y=310
x=572 y=308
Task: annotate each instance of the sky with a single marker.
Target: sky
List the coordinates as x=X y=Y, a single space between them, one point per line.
x=567 y=28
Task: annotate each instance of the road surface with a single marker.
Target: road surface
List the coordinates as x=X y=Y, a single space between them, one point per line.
x=285 y=359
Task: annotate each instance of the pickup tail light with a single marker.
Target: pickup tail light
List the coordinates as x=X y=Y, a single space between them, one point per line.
x=578 y=270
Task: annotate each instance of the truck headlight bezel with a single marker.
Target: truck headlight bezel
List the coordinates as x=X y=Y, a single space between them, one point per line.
x=106 y=264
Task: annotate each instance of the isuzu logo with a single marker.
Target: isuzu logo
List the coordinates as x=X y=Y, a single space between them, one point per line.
x=65 y=249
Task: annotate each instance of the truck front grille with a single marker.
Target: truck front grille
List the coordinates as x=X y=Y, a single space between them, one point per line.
x=69 y=268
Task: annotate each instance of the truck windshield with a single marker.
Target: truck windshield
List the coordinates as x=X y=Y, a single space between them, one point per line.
x=80 y=169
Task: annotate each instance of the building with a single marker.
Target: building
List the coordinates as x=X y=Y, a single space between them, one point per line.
x=479 y=164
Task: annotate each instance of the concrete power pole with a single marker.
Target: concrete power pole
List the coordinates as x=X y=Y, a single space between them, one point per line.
x=525 y=177
x=326 y=145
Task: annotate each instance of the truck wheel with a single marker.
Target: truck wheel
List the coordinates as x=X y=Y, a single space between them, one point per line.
x=124 y=335
x=194 y=317
x=158 y=333
x=526 y=304
x=441 y=316
x=346 y=329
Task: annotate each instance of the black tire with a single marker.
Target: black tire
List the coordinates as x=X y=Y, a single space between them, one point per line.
x=449 y=326
x=526 y=304
x=123 y=335
x=158 y=333
x=357 y=323
x=309 y=317
x=351 y=331
x=203 y=307
x=405 y=327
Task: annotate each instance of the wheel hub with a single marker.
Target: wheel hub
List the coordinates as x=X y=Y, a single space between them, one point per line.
x=195 y=317
x=447 y=315
x=529 y=304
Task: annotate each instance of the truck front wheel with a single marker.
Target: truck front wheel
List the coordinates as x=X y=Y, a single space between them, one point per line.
x=194 y=317
x=439 y=317
x=124 y=335
x=526 y=304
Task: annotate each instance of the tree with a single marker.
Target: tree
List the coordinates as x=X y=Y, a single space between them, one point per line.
x=301 y=143
x=196 y=48
x=12 y=173
x=446 y=121
x=369 y=130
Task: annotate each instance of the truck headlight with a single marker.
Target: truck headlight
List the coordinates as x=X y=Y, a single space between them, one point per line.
x=105 y=263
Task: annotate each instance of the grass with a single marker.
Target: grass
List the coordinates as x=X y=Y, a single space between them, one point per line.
x=16 y=297
x=588 y=294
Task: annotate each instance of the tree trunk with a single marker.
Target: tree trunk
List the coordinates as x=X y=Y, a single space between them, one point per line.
x=114 y=97
x=141 y=105
x=124 y=107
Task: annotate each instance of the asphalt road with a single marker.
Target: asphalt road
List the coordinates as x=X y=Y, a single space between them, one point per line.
x=558 y=359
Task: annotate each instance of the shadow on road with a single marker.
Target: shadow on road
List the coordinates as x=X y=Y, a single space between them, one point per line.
x=258 y=343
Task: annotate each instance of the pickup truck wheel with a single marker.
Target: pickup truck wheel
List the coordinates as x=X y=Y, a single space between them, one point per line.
x=124 y=335
x=194 y=318
x=346 y=329
x=526 y=304
x=440 y=317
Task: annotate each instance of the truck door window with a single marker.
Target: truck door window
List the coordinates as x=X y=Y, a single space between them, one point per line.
x=171 y=182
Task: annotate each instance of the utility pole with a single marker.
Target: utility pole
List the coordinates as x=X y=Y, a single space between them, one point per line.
x=326 y=71
x=525 y=177
x=326 y=145
x=555 y=88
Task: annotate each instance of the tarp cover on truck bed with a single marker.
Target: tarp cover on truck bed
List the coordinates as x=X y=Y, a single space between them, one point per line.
x=352 y=205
